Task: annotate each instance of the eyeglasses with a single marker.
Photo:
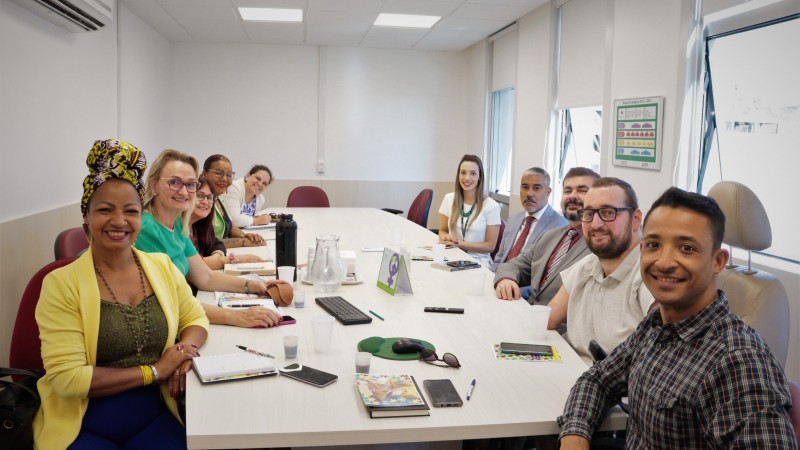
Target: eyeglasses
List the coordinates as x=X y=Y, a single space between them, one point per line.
x=203 y=196
x=606 y=214
x=176 y=184
x=430 y=357
x=222 y=174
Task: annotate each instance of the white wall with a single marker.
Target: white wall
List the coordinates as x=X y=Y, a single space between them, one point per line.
x=144 y=75
x=387 y=114
x=58 y=92
x=642 y=29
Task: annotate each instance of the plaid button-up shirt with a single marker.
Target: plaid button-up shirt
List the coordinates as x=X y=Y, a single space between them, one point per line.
x=708 y=381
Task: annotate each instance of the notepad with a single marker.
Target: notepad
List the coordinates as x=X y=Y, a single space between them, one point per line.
x=232 y=366
x=259 y=268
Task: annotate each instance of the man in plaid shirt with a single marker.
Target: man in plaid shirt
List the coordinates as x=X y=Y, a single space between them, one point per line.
x=696 y=376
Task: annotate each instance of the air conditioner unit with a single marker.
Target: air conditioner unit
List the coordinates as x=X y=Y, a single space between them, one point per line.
x=73 y=15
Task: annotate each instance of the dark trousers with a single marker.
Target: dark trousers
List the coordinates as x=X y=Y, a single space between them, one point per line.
x=135 y=419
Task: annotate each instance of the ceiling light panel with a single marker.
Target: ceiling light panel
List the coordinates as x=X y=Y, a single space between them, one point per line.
x=405 y=20
x=271 y=14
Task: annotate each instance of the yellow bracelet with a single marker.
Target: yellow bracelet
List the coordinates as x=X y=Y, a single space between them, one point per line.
x=147 y=374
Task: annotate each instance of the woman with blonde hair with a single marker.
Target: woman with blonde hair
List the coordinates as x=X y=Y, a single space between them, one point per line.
x=470 y=219
x=169 y=198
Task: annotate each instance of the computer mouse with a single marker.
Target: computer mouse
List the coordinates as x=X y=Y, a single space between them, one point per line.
x=405 y=345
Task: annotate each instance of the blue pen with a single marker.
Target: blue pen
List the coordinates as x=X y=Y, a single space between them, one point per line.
x=471 y=388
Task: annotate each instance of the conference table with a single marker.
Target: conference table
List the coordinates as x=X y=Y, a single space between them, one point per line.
x=511 y=398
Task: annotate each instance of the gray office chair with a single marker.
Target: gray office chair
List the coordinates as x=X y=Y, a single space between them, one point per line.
x=758 y=297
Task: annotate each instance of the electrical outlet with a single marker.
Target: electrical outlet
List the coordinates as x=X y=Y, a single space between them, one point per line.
x=320 y=167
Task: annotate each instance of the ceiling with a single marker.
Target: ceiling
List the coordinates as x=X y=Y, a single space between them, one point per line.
x=332 y=22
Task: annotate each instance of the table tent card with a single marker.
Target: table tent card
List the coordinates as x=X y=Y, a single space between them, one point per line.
x=393 y=276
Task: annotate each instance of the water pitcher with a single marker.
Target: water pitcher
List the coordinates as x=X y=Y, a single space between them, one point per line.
x=327 y=273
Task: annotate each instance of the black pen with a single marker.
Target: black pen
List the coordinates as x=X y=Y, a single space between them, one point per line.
x=241 y=305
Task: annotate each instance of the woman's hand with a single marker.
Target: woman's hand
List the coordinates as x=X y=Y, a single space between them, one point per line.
x=262 y=220
x=255 y=317
x=244 y=258
x=253 y=240
x=172 y=358
x=177 y=379
x=449 y=239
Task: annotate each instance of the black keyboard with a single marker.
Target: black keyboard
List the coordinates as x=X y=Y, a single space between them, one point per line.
x=343 y=311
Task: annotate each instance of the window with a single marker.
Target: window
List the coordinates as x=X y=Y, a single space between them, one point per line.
x=753 y=122
x=502 y=137
x=579 y=131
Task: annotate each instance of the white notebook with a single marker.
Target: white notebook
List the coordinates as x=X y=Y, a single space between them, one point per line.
x=232 y=366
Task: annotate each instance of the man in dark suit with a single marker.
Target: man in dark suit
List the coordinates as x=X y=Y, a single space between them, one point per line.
x=540 y=264
x=524 y=227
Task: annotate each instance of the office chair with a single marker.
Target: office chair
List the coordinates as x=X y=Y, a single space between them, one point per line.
x=418 y=211
x=307 y=197
x=758 y=297
x=70 y=243
x=794 y=413
x=499 y=238
x=26 y=347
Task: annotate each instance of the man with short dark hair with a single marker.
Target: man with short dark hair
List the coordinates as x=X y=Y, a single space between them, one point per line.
x=602 y=297
x=524 y=227
x=536 y=269
x=697 y=377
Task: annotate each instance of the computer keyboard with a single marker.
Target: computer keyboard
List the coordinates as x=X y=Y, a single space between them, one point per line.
x=343 y=311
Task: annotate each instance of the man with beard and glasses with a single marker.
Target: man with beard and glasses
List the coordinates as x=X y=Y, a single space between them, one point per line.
x=537 y=268
x=602 y=297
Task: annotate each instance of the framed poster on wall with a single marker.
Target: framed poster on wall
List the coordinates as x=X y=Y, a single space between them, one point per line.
x=639 y=124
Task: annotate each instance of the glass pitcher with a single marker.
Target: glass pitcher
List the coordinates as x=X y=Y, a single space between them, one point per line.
x=327 y=273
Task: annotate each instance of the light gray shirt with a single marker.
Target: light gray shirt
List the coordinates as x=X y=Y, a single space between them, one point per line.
x=604 y=308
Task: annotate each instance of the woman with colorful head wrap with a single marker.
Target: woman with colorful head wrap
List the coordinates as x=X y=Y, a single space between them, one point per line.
x=170 y=191
x=109 y=321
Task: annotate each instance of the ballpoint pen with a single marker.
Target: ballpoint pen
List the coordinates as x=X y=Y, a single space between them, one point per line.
x=375 y=314
x=255 y=352
x=471 y=388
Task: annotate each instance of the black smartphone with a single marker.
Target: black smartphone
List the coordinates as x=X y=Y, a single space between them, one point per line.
x=286 y=320
x=308 y=375
x=526 y=349
x=462 y=263
x=442 y=393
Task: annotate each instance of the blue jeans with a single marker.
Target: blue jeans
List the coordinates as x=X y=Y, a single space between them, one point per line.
x=134 y=419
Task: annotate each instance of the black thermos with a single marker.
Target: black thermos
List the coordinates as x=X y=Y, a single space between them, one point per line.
x=286 y=243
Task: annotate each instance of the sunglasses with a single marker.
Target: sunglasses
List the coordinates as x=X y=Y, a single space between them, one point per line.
x=430 y=357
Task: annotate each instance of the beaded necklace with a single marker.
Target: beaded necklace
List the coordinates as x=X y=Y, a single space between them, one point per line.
x=129 y=313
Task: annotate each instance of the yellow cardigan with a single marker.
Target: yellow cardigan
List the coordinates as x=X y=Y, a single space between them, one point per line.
x=68 y=314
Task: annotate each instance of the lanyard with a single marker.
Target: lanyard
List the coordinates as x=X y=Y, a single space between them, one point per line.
x=465 y=220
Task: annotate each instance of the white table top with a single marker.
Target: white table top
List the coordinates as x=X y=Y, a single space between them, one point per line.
x=511 y=398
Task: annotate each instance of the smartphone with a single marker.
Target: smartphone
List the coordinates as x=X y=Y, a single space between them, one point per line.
x=462 y=263
x=526 y=349
x=308 y=375
x=287 y=320
x=442 y=393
